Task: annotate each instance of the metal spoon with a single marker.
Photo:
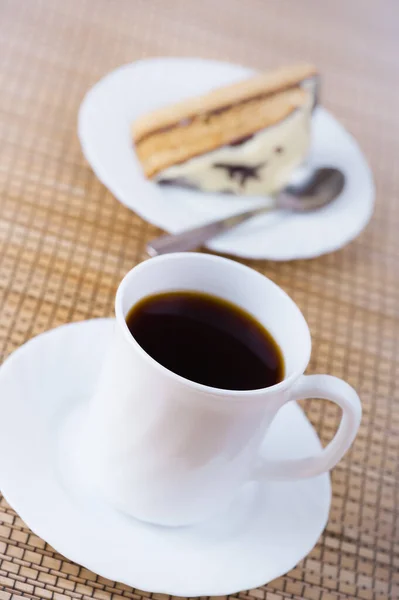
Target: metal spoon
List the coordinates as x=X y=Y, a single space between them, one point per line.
x=307 y=191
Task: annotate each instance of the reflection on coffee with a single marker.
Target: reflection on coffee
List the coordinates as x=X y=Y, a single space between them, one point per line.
x=207 y=340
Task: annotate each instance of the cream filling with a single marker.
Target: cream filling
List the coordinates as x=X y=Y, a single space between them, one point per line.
x=270 y=157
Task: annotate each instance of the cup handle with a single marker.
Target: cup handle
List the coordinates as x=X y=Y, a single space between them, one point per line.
x=325 y=387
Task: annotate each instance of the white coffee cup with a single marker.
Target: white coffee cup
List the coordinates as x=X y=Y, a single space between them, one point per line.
x=174 y=452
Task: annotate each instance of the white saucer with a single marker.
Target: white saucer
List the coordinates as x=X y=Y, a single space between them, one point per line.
x=114 y=102
x=266 y=531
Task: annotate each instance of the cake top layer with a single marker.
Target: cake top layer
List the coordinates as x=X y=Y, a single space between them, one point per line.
x=221 y=99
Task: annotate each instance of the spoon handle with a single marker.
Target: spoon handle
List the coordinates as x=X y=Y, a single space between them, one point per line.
x=192 y=238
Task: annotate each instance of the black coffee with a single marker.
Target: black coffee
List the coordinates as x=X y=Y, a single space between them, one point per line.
x=207 y=340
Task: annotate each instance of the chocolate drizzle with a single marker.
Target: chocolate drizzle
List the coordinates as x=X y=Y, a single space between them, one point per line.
x=242 y=140
x=241 y=172
x=178 y=181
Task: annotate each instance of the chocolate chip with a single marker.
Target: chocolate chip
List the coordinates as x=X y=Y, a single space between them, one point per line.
x=241 y=172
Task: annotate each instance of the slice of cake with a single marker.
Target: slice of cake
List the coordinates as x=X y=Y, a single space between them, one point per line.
x=245 y=138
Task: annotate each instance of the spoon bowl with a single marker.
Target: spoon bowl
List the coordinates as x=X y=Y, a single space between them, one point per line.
x=311 y=191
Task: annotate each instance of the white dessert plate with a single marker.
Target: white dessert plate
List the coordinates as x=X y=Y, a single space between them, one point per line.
x=267 y=530
x=104 y=127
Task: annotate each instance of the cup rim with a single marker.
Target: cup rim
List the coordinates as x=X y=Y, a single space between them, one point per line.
x=199 y=387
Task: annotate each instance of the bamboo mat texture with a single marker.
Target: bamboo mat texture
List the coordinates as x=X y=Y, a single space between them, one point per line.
x=65 y=243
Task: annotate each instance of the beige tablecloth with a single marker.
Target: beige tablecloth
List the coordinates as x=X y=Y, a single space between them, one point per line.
x=65 y=243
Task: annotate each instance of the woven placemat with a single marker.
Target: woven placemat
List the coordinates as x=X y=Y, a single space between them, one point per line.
x=65 y=243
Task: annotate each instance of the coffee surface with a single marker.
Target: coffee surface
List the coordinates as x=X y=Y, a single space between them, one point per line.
x=207 y=340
